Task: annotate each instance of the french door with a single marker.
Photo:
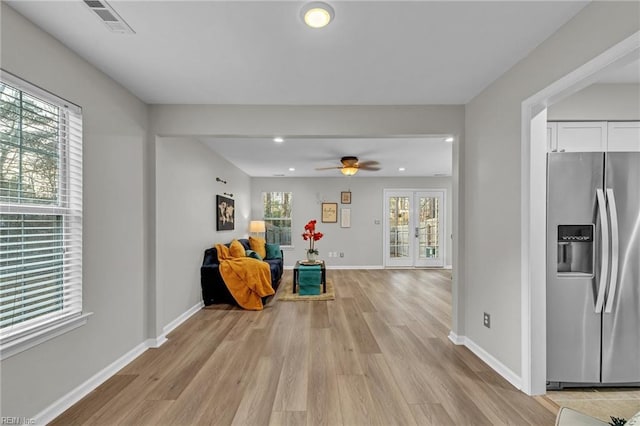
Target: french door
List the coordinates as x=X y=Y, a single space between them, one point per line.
x=414 y=228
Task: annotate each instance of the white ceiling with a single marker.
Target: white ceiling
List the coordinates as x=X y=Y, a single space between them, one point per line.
x=419 y=156
x=260 y=53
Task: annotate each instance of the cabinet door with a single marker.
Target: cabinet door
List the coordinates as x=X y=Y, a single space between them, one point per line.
x=583 y=136
x=624 y=136
x=552 y=136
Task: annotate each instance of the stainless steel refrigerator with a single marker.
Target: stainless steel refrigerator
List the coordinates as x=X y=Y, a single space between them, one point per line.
x=593 y=268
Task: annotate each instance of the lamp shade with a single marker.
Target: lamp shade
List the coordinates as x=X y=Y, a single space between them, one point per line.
x=257 y=226
x=349 y=171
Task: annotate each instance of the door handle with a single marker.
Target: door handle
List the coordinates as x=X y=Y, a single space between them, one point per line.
x=613 y=280
x=604 y=267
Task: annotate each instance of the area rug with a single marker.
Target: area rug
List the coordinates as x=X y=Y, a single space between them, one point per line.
x=286 y=293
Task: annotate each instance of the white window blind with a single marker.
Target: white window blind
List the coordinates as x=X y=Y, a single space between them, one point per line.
x=277 y=217
x=40 y=210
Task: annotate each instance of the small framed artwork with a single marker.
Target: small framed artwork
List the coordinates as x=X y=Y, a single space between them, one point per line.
x=330 y=212
x=345 y=197
x=225 y=213
x=345 y=218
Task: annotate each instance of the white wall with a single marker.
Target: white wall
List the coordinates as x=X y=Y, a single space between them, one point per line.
x=115 y=126
x=492 y=216
x=186 y=190
x=599 y=102
x=291 y=121
x=362 y=243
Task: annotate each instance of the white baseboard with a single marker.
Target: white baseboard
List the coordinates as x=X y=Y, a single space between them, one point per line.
x=58 y=407
x=488 y=359
x=355 y=267
x=290 y=267
x=157 y=342
x=329 y=267
x=182 y=318
x=61 y=405
x=457 y=340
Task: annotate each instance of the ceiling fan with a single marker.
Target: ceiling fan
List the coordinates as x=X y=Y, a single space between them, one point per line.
x=351 y=165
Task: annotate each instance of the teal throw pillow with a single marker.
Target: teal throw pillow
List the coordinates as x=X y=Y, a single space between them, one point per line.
x=273 y=251
x=251 y=253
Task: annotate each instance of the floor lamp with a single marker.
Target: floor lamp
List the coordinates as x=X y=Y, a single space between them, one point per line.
x=257 y=228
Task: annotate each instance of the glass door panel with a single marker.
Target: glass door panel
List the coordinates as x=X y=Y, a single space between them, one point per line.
x=414 y=228
x=429 y=229
x=399 y=216
x=399 y=240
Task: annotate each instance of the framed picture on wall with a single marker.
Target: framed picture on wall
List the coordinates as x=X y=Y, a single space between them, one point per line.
x=330 y=212
x=345 y=218
x=225 y=213
x=345 y=197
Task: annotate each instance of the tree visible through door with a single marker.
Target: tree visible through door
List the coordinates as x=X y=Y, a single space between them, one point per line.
x=414 y=228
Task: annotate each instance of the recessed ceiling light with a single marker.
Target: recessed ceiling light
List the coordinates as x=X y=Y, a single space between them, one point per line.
x=317 y=14
x=401 y=169
x=449 y=139
x=292 y=169
x=278 y=139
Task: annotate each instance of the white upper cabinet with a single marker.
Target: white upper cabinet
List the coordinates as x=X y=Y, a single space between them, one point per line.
x=552 y=136
x=583 y=136
x=590 y=136
x=624 y=136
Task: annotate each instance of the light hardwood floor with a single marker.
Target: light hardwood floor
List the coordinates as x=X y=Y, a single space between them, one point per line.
x=377 y=355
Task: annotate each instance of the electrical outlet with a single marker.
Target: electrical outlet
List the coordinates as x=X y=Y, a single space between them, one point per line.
x=487 y=320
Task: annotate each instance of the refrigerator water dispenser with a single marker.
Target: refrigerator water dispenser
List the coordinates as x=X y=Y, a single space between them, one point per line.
x=575 y=250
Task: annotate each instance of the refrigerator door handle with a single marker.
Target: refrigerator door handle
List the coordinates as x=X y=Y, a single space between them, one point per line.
x=604 y=267
x=613 y=280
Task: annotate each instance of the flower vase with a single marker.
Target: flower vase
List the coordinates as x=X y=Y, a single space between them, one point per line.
x=311 y=257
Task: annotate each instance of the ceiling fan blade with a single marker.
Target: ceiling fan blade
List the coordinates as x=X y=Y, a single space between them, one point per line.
x=369 y=168
x=328 y=168
x=364 y=164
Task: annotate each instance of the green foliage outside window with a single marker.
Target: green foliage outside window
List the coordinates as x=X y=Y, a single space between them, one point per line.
x=32 y=244
x=277 y=217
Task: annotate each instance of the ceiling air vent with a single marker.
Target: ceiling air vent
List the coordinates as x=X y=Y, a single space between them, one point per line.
x=109 y=16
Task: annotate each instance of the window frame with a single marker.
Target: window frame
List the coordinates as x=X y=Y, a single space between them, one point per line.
x=68 y=205
x=290 y=218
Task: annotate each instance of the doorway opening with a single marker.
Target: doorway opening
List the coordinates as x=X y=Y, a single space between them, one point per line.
x=414 y=228
x=533 y=204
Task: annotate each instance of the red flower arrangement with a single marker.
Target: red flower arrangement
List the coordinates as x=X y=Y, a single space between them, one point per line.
x=311 y=235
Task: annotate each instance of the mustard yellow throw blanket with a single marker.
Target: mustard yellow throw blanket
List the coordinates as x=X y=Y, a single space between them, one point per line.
x=248 y=279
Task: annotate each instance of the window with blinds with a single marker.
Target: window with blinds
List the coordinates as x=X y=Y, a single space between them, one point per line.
x=277 y=217
x=40 y=209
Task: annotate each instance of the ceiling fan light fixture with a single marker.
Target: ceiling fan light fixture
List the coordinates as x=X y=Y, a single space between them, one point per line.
x=317 y=14
x=349 y=170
